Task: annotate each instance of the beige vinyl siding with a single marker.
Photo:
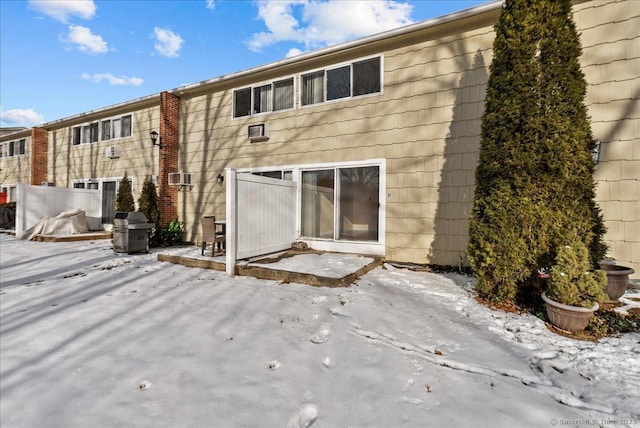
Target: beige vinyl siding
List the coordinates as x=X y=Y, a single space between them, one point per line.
x=610 y=38
x=17 y=168
x=136 y=155
x=430 y=169
x=426 y=123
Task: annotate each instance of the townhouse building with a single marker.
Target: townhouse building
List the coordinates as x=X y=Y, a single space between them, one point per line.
x=380 y=134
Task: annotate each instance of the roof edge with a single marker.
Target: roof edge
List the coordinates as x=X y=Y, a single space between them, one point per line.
x=407 y=29
x=419 y=26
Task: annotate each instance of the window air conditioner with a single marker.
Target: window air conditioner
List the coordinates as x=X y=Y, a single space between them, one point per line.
x=179 y=179
x=112 y=152
x=258 y=132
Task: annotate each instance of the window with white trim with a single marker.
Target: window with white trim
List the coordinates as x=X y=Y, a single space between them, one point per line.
x=345 y=81
x=273 y=96
x=13 y=148
x=278 y=173
x=104 y=130
x=86 y=184
x=85 y=134
x=116 y=127
x=10 y=191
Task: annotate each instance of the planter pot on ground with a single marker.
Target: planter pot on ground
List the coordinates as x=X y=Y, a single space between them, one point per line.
x=617 y=280
x=566 y=317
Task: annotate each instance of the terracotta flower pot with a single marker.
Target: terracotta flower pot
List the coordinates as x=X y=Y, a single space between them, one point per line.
x=566 y=317
x=617 y=280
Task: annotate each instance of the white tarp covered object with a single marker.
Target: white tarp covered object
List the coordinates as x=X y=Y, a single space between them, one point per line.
x=37 y=202
x=65 y=223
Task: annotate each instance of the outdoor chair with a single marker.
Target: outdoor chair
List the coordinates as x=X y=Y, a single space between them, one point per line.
x=209 y=234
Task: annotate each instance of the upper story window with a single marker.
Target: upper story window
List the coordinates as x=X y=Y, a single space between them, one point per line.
x=13 y=148
x=274 y=96
x=349 y=80
x=117 y=127
x=106 y=129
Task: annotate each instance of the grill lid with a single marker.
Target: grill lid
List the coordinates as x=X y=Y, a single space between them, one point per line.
x=131 y=217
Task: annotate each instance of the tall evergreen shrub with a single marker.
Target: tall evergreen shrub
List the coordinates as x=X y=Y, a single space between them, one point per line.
x=148 y=201
x=124 y=197
x=563 y=89
x=534 y=182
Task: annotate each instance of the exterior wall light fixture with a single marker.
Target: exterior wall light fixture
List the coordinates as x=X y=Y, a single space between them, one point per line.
x=596 y=152
x=155 y=140
x=220 y=179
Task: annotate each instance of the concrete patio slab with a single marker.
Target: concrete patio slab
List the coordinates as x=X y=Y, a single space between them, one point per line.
x=302 y=266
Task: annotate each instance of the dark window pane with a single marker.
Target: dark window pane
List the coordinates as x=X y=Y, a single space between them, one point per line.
x=339 y=83
x=366 y=77
x=106 y=130
x=93 y=132
x=242 y=102
x=76 y=135
x=108 y=201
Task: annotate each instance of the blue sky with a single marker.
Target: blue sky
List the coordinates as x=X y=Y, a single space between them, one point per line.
x=61 y=58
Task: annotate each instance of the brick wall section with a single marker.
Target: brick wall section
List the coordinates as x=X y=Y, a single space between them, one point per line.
x=168 y=163
x=39 y=155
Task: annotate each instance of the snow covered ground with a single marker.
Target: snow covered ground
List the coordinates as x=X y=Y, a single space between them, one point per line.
x=91 y=338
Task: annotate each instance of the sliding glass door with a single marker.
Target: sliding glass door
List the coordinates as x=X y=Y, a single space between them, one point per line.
x=318 y=203
x=358 y=208
x=108 y=201
x=341 y=203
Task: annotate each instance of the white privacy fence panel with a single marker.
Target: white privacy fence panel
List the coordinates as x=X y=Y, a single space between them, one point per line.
x=36 y=202
x=261 y=215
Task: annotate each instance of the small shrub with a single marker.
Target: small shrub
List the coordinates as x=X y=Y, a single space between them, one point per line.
x=149 y=205
x=148 y=202
x=608 y=322
x=124 y=197
x=571 y=281
x=171 y=234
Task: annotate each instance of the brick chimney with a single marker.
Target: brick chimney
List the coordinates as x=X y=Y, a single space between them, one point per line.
x=168 y=163
x=39 y=155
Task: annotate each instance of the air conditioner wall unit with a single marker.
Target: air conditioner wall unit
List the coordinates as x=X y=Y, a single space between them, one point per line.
x=112 y=152
x=179 y=179
x=48 y=184
x=258 y=132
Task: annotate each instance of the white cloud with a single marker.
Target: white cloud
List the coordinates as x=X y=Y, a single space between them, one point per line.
x=293 y=52
x=85 y=41
x=211 y=4
x=113 y=80
x=168 y=43
x=62 y=10
x=320 y=23
x=21 y=117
